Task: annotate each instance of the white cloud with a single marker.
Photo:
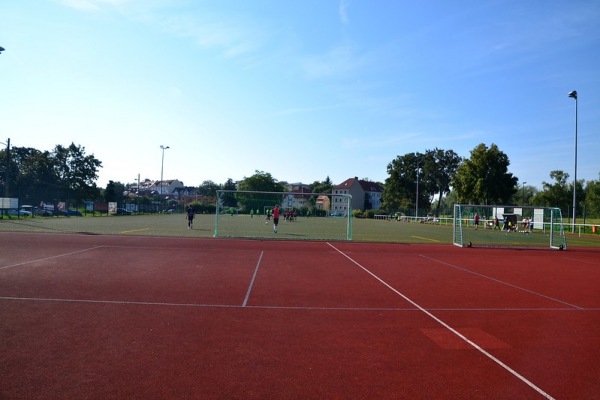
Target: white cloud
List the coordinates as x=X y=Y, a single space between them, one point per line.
x=91 y=5
x=343 y=10
x=338 y=62
x=230 y=37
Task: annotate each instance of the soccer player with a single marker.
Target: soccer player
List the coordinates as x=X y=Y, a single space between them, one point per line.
x=190 y=217
x=275 y=217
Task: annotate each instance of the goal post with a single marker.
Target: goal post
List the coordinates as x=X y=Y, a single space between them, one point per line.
x=508 y=226
x=248 y=214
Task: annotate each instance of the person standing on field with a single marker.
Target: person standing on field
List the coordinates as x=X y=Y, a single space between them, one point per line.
x=275 y=217
x=190 y=217
x=476 y=221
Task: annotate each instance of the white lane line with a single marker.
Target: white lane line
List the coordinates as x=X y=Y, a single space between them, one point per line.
x=263 y=307
x=51 y=258
x=502 y=282
x=252 y=281
x=118 y=302
x=445 y=325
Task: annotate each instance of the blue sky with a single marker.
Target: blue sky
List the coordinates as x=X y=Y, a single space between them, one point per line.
x=301 y=89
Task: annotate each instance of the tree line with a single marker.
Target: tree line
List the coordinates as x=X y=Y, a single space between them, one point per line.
x=64 y=173
x=431 y=181
x=482 y=178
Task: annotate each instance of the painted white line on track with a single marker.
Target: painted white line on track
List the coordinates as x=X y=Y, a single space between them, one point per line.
x=445 y=325
x=52 y=257
x=252 y=281
x=264 y=307
x=502 y=282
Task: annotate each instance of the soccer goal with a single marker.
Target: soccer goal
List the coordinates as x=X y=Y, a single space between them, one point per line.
x=508 y=226
x=248 y=214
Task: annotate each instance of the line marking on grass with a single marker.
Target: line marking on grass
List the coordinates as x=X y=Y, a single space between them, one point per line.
x=422 y=238
x=445 y=325
x=135 y=230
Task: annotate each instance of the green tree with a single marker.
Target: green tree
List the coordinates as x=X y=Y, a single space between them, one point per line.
x=592 y=197
x=76 y=171
x=556 y=194
x=400 y=188
x=560 y=193
x=447 y=204
x=523 y=195
x=110 y=193
x=322 y=187
x=440 y=166
x=208 y=188
x=325 y=186
x=228 y=199
x=260 y=181
x=484 y=178
x=32 y=175
x=114 y=192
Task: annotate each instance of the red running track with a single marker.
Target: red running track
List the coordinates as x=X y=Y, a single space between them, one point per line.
x=112 y=317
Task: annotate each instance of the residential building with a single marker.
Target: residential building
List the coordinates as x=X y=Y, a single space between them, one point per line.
x=365 y=195
x=323 y=203
x=298 y=197
x=166 y=187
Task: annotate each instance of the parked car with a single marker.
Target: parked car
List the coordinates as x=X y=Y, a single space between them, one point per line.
x=42 y=212
x=122 y=211
x=74 y=213
x=20 y=212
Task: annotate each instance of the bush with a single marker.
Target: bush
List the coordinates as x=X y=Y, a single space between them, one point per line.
x=358 y=214
x=371 y=213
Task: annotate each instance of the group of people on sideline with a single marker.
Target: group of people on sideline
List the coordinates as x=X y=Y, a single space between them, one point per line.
x=507 y=224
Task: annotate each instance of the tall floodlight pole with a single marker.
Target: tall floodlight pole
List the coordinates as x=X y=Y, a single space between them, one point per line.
x=6 y=172
x=7 y=154
x=417 y=198
x=162 y=164
x=573 y=94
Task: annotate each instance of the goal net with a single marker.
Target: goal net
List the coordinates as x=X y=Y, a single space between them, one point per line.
x=508 y=226
x=249 y=214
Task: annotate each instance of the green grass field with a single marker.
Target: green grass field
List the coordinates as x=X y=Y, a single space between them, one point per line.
x=364 y=230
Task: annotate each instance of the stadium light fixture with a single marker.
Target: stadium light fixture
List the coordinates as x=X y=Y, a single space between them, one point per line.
x=573 y=95
x=162 y=164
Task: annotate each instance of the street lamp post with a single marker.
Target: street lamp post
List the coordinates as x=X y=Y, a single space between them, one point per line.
x=524 y=193
x=161 y=168
x=138 y=194
x=573 y=95
x=6 y=175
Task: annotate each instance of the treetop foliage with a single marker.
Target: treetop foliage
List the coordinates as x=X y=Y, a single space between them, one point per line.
x=65 y=173
x=484 y=178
